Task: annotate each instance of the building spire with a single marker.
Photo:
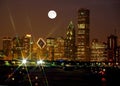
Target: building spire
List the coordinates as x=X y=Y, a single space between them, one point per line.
x=71 y=25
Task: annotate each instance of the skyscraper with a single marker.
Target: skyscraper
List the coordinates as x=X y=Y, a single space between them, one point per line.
x=83 y=35
x=22 y=47
x=70 y=48
x=27 y=44
x=7 y=45
x=59 y=48
x=112 y=48
x=17 y=48
x=50 y=42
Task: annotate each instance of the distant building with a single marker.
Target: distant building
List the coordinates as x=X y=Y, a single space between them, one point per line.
x=83 y=50
x=27 y=44
x=55 y=48
x=50 y=42
x=118 y=53
x=98 y=51
x=59 y=48
x=70 y=48
x=7 y=46
x=22 y=47
x=17 y=48
x=112 y=48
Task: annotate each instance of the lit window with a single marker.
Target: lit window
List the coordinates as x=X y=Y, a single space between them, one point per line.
x=67 y=32
x=70 y=38
x=83 y=49
x=71 y=33
x=81 y=43
x=82 y=13
x=81 y=31
x=82 y=26
x=82 y=53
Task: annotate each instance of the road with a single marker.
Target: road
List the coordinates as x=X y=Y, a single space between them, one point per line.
x=39 y=76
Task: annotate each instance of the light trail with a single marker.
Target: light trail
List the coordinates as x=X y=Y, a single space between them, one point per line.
x=29 y=23
x=44 y=74
x=28 y=75
x=30 y=26
x=12 y=21
x=13 y=26
x=53 y=30
x=50 y=32
x=18 y=41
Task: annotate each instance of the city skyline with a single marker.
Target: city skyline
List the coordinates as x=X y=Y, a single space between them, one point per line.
x=22 y=17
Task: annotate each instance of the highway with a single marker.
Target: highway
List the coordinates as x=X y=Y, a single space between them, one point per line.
x=56 y=75
x=49 y=76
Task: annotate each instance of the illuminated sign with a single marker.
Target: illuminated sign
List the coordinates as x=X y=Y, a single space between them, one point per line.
x=41 y=43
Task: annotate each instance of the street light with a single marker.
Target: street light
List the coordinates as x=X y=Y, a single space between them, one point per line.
x=40 y=62
x=24 y=61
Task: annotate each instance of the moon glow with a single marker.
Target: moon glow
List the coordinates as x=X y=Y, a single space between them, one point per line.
x=52 y=14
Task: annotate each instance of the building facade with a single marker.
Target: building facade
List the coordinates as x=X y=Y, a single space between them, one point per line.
x=118 y=53
x=7 y=45
x=22 y=47
x=55 y=48
x=27 y=45
x=112 y=48
x=70 y=47
x=17 y=48
x=98 y=51
x=59 y=48
x=6 y=52
x=83 y=50
x=50 y=42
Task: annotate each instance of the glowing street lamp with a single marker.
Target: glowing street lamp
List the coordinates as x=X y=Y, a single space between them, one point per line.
x=40 y=62
x=24 y=61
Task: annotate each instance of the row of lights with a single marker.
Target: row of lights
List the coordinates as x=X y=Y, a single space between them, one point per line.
x=39 y=62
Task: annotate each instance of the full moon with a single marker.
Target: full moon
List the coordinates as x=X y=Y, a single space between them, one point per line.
x=52 y=14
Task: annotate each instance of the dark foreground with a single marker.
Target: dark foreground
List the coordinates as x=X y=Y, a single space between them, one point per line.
x=53 y=76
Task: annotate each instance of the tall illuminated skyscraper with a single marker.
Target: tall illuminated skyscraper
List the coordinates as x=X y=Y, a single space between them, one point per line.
x=70 y=47
x=27 y=44
x=83 y=52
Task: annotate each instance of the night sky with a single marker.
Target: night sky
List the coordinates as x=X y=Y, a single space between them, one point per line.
x=18 y=17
